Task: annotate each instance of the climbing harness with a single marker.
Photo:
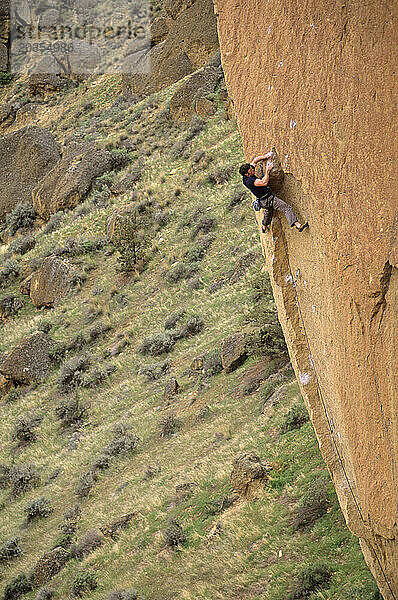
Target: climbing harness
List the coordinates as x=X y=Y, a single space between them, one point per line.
x=323 y=401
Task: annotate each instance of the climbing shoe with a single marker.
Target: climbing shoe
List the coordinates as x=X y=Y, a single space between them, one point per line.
x=303 y=226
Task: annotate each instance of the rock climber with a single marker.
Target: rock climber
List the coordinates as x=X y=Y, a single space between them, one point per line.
x=265 y=198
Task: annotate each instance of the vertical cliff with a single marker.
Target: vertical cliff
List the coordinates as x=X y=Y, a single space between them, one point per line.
x=315 y=79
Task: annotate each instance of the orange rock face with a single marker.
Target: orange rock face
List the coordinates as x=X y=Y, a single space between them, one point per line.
x=315 y=79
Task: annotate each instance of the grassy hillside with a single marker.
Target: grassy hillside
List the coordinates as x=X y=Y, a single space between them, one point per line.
x=99 y=441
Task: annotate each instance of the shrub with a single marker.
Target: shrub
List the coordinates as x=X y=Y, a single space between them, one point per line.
x=45 y=594
x=196 y=126
x=134 y=237
x=180 y=271
x=72 y=372
x=237 y=196
x=89 y=542
x=21 y=217
x=54 y=223
x=22 y=245
x=295 y=418
x=194 y=283
x=123 y=441
x=174 y=534
x=203 y=225
x=10 y=305
x=68 y=527
x=10 y=549
x=313 y=505
x=153 y=372
x=174 y=318
x=130 y=594
x=84 y=582
x=157 y=344
x=40 y=507
x=309 y=580
x=44 y=325
x=162 y=217
x=97 y=375
x=12 y=395
x=220 y=175
x=22 y=478
x=4 y=475
x=98 y=330
x=9 y=270
x=195 y=253
x=24 y=429
x=5 y=78
x=192 y=326
x=71 y=411
x=77 y=343
x=212 y=364
x=18 y=587
x=57 y=353
x=85 y=483
x=169 y=425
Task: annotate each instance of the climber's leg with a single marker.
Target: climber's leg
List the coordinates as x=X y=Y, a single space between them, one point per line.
x=267 y=218
x=285 y=208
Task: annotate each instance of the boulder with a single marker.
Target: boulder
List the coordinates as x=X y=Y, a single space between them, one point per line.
x=248 y=476
x=49 y=565
x=52 y=282
x=182 y=103
x=191 y=40
x=3 y=57
x=41 y=85
x=29 y=360
x=68 y=183
x=159 y=30
x=9 y=306
x=7 y=115
x=335 y=286
x=5 y=385
x=175 y=7
x=233 y=351
x=27 y=114
x=204 y=107
x=24 y=286
x=171 y=389
x=26 y=156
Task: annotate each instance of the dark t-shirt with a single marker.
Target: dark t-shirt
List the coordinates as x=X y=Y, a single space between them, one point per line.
x=260 y=191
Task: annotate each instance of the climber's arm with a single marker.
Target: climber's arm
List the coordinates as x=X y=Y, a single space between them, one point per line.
x=264 y=181
x=257 y=159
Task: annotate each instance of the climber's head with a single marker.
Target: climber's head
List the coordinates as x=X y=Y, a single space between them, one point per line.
x=246 y=169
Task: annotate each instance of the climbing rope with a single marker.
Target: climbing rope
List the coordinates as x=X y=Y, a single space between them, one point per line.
x=323 y=401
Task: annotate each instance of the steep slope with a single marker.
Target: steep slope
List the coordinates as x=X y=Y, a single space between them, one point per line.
x=315 y=80
x=85 y=508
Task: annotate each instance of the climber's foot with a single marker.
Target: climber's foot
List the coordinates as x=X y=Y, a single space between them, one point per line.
x=264 y=229
x=303 y=226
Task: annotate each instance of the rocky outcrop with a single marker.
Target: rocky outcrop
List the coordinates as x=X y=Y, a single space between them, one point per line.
x=315 y=79
x=49 y=565
x=51 y=282
x=190 y=42
x=29 y=361
x=26 y=156
x=183 y=103
x=248 y=476
x=7 y=116
x=67 y=184
x=233 y=351
x=4 y=33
